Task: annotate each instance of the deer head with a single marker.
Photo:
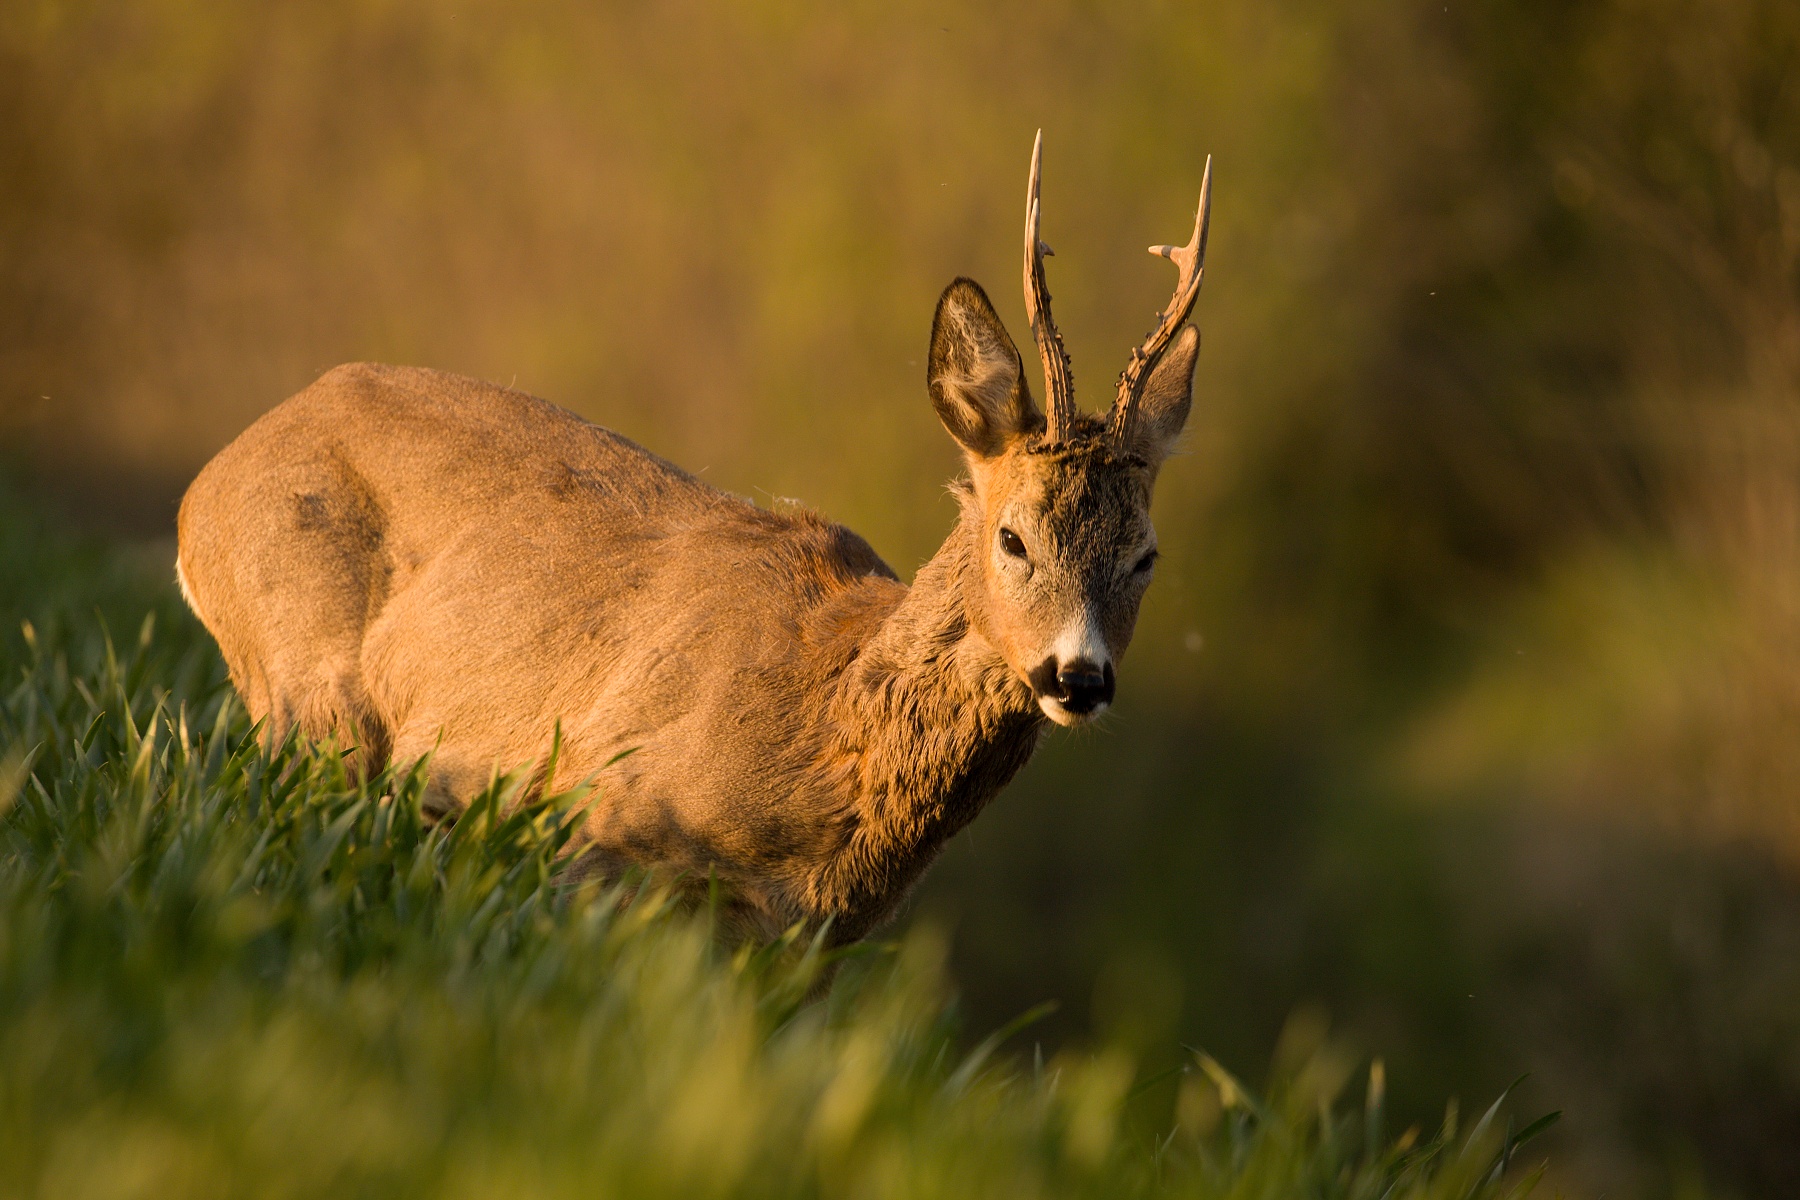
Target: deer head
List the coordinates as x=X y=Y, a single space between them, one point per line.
x=1058 y=501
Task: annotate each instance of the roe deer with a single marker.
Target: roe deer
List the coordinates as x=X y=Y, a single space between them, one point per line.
x=421 y=563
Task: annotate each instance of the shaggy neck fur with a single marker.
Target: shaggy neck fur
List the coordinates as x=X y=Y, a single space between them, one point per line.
x=929 y=723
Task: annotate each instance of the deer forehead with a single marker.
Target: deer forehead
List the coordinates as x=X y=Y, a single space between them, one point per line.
x=1077 y=505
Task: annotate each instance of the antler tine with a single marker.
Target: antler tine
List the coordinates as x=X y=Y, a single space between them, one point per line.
x=1059 y=392
x=1191 y=260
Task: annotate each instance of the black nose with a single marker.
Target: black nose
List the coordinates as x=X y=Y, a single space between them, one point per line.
x=1082 y=687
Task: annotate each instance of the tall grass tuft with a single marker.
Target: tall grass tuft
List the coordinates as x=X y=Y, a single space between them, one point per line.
x=227 y=969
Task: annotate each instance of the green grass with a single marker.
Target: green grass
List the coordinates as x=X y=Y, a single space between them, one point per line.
x=227 y=971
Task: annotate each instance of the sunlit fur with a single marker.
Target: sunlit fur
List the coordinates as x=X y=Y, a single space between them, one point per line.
x=425 y=564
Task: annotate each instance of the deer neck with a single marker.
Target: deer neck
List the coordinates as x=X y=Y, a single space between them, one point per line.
x=929 y=723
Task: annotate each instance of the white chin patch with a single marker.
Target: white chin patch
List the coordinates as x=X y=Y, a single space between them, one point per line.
x=1054 y=709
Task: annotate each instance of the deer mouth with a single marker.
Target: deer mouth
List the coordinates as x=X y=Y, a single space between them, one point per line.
x=1066 y=716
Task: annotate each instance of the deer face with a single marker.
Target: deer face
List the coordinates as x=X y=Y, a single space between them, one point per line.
x=1063 y=544
x=1059 y=503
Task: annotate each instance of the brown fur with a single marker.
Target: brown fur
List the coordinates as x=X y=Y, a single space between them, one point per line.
x=426 y=564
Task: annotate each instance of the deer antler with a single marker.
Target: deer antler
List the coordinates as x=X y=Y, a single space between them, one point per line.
x=1059 y=388
x=1191 y=259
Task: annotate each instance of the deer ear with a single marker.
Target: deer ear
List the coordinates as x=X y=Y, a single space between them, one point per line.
x=977 y=380
x=1168 y=394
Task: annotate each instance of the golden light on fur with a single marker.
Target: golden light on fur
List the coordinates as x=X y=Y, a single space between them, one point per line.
x=425 y=564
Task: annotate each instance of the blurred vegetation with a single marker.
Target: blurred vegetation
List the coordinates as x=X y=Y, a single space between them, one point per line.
x=230 y=972
x=1467 y=704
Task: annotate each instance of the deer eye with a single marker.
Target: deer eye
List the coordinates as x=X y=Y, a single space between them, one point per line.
x=1145 y=563
x=1009 y=542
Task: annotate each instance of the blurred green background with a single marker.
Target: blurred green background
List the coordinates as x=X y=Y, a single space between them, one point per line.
x=1466 y=708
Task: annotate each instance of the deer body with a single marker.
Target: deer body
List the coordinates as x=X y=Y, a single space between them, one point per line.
x=421 y=563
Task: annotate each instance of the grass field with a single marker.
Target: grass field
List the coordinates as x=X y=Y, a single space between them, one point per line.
x=225 y=971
